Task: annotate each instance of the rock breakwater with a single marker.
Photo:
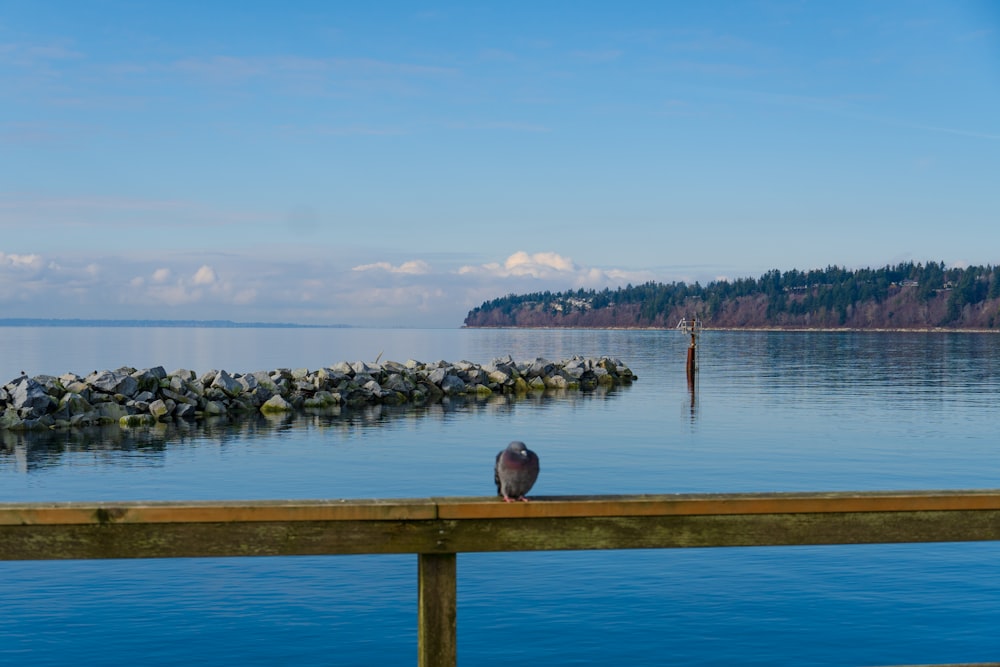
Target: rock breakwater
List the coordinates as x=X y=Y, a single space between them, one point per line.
x=132 y=397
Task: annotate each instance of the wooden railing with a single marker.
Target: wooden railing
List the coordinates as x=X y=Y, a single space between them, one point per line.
x=438 y=528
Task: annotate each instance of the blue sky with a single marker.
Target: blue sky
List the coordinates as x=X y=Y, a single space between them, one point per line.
x=398 y=163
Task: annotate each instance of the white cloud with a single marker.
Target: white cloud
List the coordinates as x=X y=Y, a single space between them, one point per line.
x=413 y=267
x=163 y=288
x=205 y=276
x=377 y=266
x=16 y=261
x=537 y=265
x=524 y=271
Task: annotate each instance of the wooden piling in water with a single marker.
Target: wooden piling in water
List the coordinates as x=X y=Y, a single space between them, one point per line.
x=691 y=361
x=692 y=326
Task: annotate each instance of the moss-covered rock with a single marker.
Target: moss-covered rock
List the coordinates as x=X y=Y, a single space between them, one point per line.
x=276 y=404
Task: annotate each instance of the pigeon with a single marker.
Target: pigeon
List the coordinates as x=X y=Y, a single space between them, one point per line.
x=515 y=472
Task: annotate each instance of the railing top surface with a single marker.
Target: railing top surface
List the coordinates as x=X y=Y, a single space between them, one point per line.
x=457 y=508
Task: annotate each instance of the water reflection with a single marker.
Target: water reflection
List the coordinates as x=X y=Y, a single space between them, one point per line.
x=895 y=369
x=693 y=395
x=28 y=451
x=36 y=450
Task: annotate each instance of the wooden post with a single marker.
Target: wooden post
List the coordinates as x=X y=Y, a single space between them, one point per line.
x=692 y=351
x=692 y=327
x=437 y=610
x=691 y=362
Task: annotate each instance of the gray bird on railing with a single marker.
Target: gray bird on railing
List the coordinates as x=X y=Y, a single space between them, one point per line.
x=515 y=472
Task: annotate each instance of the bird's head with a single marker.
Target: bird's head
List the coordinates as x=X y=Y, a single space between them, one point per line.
x=517 y=447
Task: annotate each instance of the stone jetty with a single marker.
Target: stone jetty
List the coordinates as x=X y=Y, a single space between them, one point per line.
x=132 y=397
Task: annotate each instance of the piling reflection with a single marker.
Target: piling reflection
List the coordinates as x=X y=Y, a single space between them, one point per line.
x=693 y=396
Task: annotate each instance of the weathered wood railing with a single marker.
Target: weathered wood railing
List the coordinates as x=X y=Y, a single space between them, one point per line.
x=438 y=528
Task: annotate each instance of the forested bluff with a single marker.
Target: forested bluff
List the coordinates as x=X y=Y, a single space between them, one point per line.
x=904 y=296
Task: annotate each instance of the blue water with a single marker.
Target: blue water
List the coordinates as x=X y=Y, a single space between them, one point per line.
x=771 y=412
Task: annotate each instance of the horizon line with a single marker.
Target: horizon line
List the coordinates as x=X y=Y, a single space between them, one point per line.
x=208 y=324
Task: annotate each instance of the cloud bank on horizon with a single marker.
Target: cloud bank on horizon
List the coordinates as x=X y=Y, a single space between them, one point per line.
x=393 y=166
x=412 y=293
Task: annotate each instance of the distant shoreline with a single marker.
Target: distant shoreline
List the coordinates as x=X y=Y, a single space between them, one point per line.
x=229 y=324
x=858 y=329
x=150 y=324
x=774 y=329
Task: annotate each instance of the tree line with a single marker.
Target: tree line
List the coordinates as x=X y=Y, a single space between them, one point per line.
x=907 y=294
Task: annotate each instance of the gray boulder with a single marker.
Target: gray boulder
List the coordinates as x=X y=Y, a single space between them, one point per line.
x=185 y=411
x=113 y=382
x=149 y=379
x=452 y=384
x=29 y=397
x=160 y=409
x=227 y=383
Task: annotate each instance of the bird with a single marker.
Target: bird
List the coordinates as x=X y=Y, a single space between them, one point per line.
x=515 y=471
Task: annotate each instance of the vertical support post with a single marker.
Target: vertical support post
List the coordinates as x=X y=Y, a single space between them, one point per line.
x=692 y=327
x=692 y=350
x=437 y=610
x=691 y=361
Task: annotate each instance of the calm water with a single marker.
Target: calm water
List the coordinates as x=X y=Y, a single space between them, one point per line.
x=772 y=412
